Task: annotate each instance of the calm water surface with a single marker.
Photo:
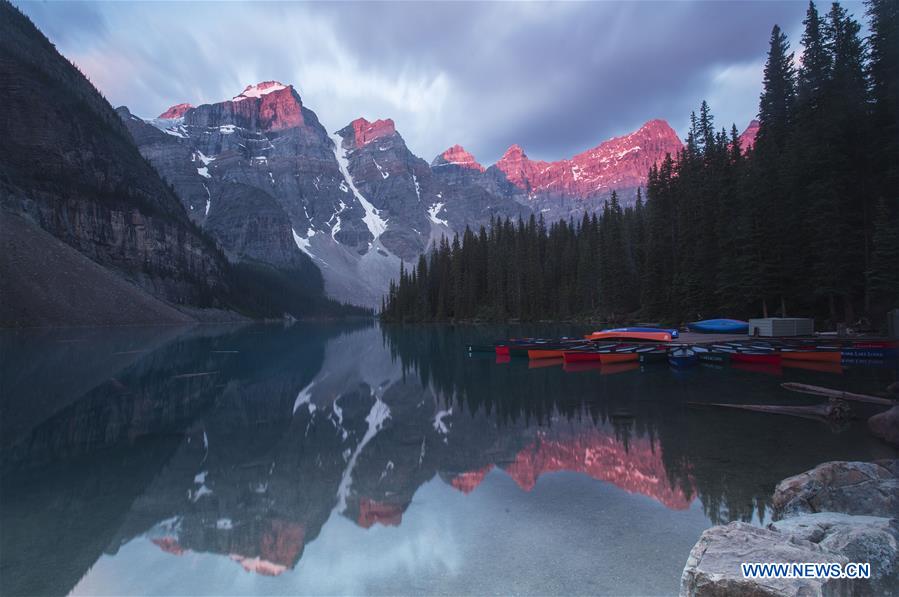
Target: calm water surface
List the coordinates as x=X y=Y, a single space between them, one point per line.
x=347 y=459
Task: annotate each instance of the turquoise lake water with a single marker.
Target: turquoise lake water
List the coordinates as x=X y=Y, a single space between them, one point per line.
x=353 y=458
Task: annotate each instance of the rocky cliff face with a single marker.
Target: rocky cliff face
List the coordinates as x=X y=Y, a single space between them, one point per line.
x=390 y=182
x=471 y=195
x=69 y=165
x=263 y=150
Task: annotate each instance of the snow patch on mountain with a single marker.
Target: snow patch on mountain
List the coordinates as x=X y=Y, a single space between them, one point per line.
x=303 y=243
x=433 y=211
x=384 y=175
x=305 y=395
x=439 y=426
x=259 y=89
x=376 y=418
x=376 y=225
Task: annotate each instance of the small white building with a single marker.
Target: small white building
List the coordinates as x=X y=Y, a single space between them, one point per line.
x=781 y=326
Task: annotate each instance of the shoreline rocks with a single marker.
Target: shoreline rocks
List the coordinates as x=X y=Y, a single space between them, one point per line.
x=837 y=512
x=885 y=426
x=713 y=567
x=870 y=488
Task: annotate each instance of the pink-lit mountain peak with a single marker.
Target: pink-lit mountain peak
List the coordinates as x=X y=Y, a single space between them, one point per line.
x=365 y=131
x=514 y=151
x=176 y=111
x=747 y=139
x=620 y=162
x=457 y=156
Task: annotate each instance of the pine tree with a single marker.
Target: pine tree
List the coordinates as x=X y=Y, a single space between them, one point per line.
x=884 y=274
x=776 y=101
x=884 y=73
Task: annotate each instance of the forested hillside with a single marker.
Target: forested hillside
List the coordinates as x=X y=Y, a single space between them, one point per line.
x=805 y=222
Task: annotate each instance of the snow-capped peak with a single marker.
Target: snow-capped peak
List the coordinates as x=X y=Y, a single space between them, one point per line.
x=259 y=89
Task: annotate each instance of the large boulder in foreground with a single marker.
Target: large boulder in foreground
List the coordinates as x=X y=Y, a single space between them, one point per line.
x=869 y=539
x=838 y=512
x=866 y=488
x=885 y=426
x=713 y=568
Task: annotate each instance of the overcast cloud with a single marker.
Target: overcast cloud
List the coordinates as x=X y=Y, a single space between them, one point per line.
x=554 y=78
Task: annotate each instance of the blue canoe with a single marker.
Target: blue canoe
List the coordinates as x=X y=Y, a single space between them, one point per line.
x=719 y=326
x=672 y=331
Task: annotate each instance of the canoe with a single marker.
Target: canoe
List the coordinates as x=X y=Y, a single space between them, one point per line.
x=820 y=356
x=502 y=351
x=719 y=326
x=674 y=333
x=869 y=353
x=546 y=353
x=520 y=351
x=765 y=368
x=682 y=357
x=521 y=347
x=762 y=358
x=607 y=358
x=868 y=363
x=644 y=336
x=875 y=344
x=819 y=366
x=653 y=356
x=581 y=356
x=713 y=356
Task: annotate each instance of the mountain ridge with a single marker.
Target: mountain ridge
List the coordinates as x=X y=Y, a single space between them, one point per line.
x=358 y=200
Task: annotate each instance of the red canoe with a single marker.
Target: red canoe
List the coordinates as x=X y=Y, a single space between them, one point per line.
x=770 y=358
x=581 y=356
x=612 y=335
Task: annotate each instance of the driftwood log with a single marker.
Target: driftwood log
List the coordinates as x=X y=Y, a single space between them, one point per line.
x=840 y=394
x=834 y=410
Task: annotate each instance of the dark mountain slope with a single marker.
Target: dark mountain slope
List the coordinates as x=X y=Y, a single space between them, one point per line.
x=48 y=283
x=69 y=164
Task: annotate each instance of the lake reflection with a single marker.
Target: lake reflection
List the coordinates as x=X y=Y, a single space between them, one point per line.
x=332 y=459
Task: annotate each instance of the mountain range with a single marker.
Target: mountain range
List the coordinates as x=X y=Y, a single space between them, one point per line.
x=197 y=206
x=358 y=201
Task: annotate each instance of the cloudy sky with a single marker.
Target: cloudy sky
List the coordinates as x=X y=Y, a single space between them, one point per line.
x=554 y=78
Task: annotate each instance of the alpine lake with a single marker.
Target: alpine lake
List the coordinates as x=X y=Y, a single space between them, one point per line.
x=336 y=458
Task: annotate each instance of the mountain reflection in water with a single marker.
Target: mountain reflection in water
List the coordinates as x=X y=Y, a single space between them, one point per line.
x=250 y=443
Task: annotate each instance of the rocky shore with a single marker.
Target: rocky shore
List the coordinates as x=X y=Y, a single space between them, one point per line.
x=838 y=512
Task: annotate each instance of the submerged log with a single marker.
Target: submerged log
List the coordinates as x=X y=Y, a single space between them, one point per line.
x=830 y=393
x=835 y=410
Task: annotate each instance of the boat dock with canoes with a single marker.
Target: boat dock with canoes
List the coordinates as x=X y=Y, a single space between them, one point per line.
x=646 y=345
